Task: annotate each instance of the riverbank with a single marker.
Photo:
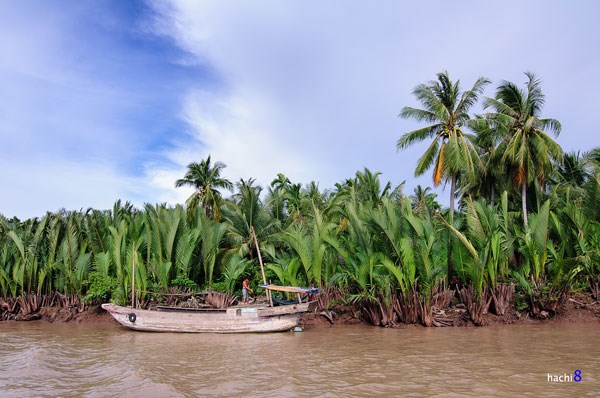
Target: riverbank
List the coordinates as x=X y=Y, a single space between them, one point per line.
x=579 y=308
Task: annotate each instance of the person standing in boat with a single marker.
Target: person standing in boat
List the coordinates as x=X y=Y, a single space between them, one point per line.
x=245 y=288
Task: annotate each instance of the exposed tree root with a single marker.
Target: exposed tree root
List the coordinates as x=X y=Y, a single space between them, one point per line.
x=406 y=307
x=220 y=299
x=27 y=307
x=502 y=297
x=476 y=308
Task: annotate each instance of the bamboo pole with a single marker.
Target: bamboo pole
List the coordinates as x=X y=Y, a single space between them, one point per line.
x=132 y=276
x=262 y=267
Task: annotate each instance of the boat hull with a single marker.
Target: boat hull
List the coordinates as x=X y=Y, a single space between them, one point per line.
x=230 y=320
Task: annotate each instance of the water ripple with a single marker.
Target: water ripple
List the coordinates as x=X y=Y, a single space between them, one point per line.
x=42 y=360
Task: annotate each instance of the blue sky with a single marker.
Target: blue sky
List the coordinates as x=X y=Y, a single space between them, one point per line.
x=107 y=100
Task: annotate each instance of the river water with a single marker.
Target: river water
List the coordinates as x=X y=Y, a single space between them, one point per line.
x=106 y=360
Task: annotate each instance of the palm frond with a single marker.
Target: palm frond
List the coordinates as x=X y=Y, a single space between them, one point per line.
x=418 y=135
x=419 y=115
x=425 y=162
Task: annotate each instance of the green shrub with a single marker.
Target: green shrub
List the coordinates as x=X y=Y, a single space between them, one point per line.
x=521 y=301
x=220 y=286
x=184 y=283
x=100 y=289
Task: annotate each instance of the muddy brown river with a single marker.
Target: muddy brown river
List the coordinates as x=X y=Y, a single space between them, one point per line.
x=105 y=360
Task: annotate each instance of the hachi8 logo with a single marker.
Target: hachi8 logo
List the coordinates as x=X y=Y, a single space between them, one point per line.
x=566 y=377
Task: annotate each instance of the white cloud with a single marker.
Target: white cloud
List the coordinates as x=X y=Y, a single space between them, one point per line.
x=236 y=131
x=290 y=103
x=308 y=89
x=72 y=113
x=52 y=184
x=162 y=183
x=320 y=84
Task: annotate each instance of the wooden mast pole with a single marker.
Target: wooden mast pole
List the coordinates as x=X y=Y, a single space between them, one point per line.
x=132 y=277
x=262 y=267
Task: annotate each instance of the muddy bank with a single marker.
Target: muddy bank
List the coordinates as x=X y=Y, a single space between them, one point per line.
x=87 y=314
x=577 y=309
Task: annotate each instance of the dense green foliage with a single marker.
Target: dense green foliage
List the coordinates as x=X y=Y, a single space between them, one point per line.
x=534 y=222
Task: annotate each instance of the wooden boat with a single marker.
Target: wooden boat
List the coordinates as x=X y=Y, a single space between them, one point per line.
x=236 y=319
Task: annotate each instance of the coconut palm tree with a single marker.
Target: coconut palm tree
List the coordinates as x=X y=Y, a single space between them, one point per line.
x=281 y=183
x=573 y=170
x=490 y=177
x=244 y=211
x=206 y=179
x=275 y=205
x=592 y=187
x=526 y=147
x=424 y=200
x=446 y=108
x=368 y=187
x=314 y=194
x=293 y=197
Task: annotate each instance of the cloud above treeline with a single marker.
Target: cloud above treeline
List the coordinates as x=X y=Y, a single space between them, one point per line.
x=320 y=84
x=109 y=101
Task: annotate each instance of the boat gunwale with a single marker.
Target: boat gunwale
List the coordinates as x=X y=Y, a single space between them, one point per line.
x=164 y=308
x=254 y=324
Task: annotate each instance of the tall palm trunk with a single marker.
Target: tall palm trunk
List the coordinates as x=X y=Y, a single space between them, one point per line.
x=524 y=203
x=451 y=273
x=452 y=189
